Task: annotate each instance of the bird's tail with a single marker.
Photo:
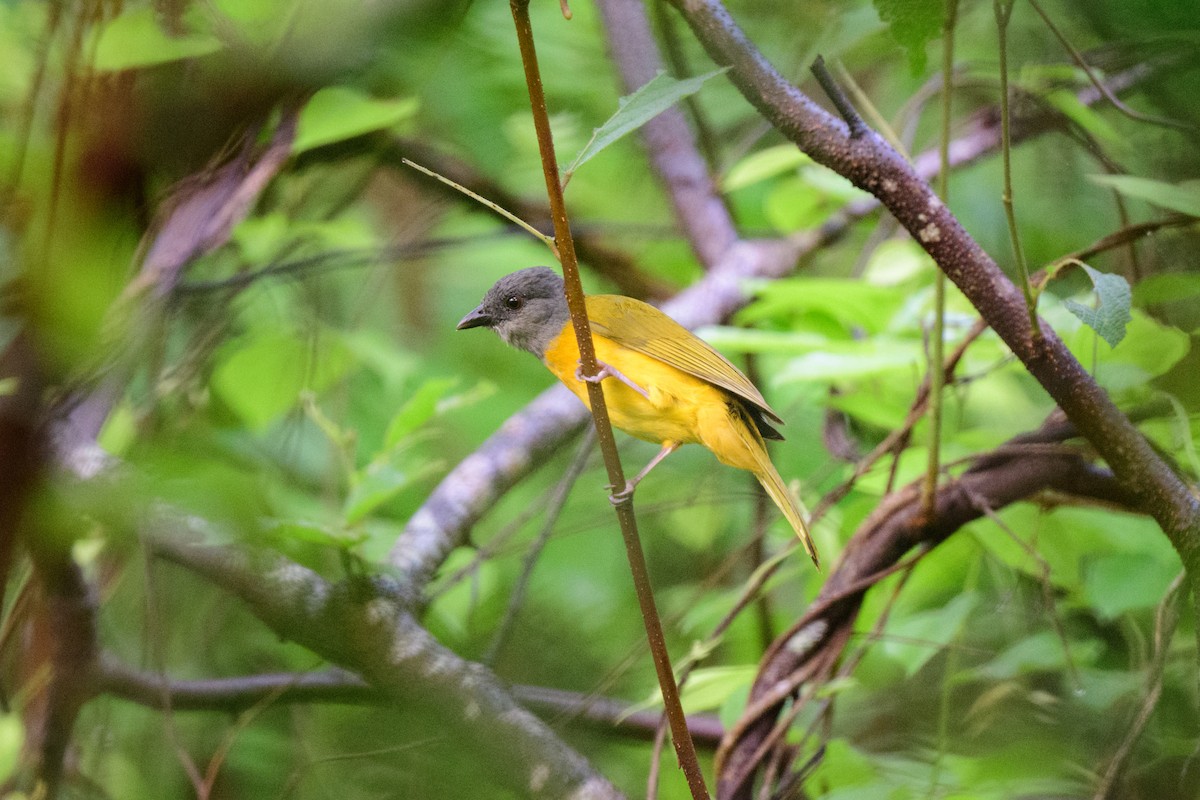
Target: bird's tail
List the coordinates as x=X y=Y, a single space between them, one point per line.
x=731 y=434
x=768 y=476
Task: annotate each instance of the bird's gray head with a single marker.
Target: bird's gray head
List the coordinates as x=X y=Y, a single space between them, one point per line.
x=527 y=308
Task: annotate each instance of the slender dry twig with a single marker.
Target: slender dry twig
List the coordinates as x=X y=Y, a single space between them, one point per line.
x=684 y=747
x=1003 y=11
x=1166 y=616
x=937 y=350
x=1096 y=80
x=553 y=509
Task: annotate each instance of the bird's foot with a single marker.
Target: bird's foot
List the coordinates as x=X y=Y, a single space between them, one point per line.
x=608 y=371
x=625 y=495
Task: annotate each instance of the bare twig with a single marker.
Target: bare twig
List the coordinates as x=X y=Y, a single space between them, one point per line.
x=1003 y=12
x=937 y=374
x=1096 y=80
x=1166 y=616
x=684 y=747
x=553 y=509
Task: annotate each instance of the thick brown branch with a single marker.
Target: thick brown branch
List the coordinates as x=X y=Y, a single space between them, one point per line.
x=871 y=164
x=895 y=528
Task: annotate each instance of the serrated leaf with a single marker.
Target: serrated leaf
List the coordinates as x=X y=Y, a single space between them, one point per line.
x=338 y=113
x=1183 y=197
x=134 y=39
x=913 y=23
x=1113 y=301
x=634 y=111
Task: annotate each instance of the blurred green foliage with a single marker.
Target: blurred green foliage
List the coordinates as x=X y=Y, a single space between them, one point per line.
x=312 y=410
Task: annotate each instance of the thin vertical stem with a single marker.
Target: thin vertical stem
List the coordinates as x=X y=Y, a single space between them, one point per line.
x=937 y=350
x=1003 y=10
x=681 y=738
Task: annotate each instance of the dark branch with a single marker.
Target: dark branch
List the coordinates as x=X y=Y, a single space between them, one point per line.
x=871 y=164
x=838 y=98
x=230 y=695
x=894 y=529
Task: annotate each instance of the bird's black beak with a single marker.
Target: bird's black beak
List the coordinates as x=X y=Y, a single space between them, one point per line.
x=476 y=319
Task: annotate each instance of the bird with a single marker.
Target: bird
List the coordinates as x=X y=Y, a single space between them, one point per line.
x=661 y=382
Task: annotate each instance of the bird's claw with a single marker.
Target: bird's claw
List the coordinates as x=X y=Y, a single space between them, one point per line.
x=620 y=498
x=607 y=371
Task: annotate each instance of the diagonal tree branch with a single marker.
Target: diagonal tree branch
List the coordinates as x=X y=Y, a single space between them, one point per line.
x=468 y=491
x=366 y=628
x=1011 y=473
x=871 y=164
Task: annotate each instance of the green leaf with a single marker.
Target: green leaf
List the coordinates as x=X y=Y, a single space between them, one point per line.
x=417 y=410
x=793 y=205
x=853 y=303
x=1148 y=350
x=1086 y=117
x=913 y=23
x=1041 y=652
x=706 y=689
x=1183 y=197
x=634 y=111
x=264 y=375
x=1113 y=300
x=338 y=113
x=763 y=165
x=307 y=532
x=377 y=483
x=916 y=638
x=135 y=39
x=710 y=687
x=12 y=743
x=1116 y=584
x=1167 y=288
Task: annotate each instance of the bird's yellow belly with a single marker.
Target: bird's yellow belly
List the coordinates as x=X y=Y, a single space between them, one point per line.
x=671 y=414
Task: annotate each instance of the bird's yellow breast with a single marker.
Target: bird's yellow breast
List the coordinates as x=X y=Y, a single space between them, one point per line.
x=674 y=410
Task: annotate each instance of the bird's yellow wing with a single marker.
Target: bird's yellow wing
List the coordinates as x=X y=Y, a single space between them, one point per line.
x=642 y=327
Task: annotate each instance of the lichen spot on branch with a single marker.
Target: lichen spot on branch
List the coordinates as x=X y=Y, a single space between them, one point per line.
x=930 y=233
x=538 y=778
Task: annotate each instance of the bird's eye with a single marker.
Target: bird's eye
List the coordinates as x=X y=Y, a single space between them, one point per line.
x=514 y=302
